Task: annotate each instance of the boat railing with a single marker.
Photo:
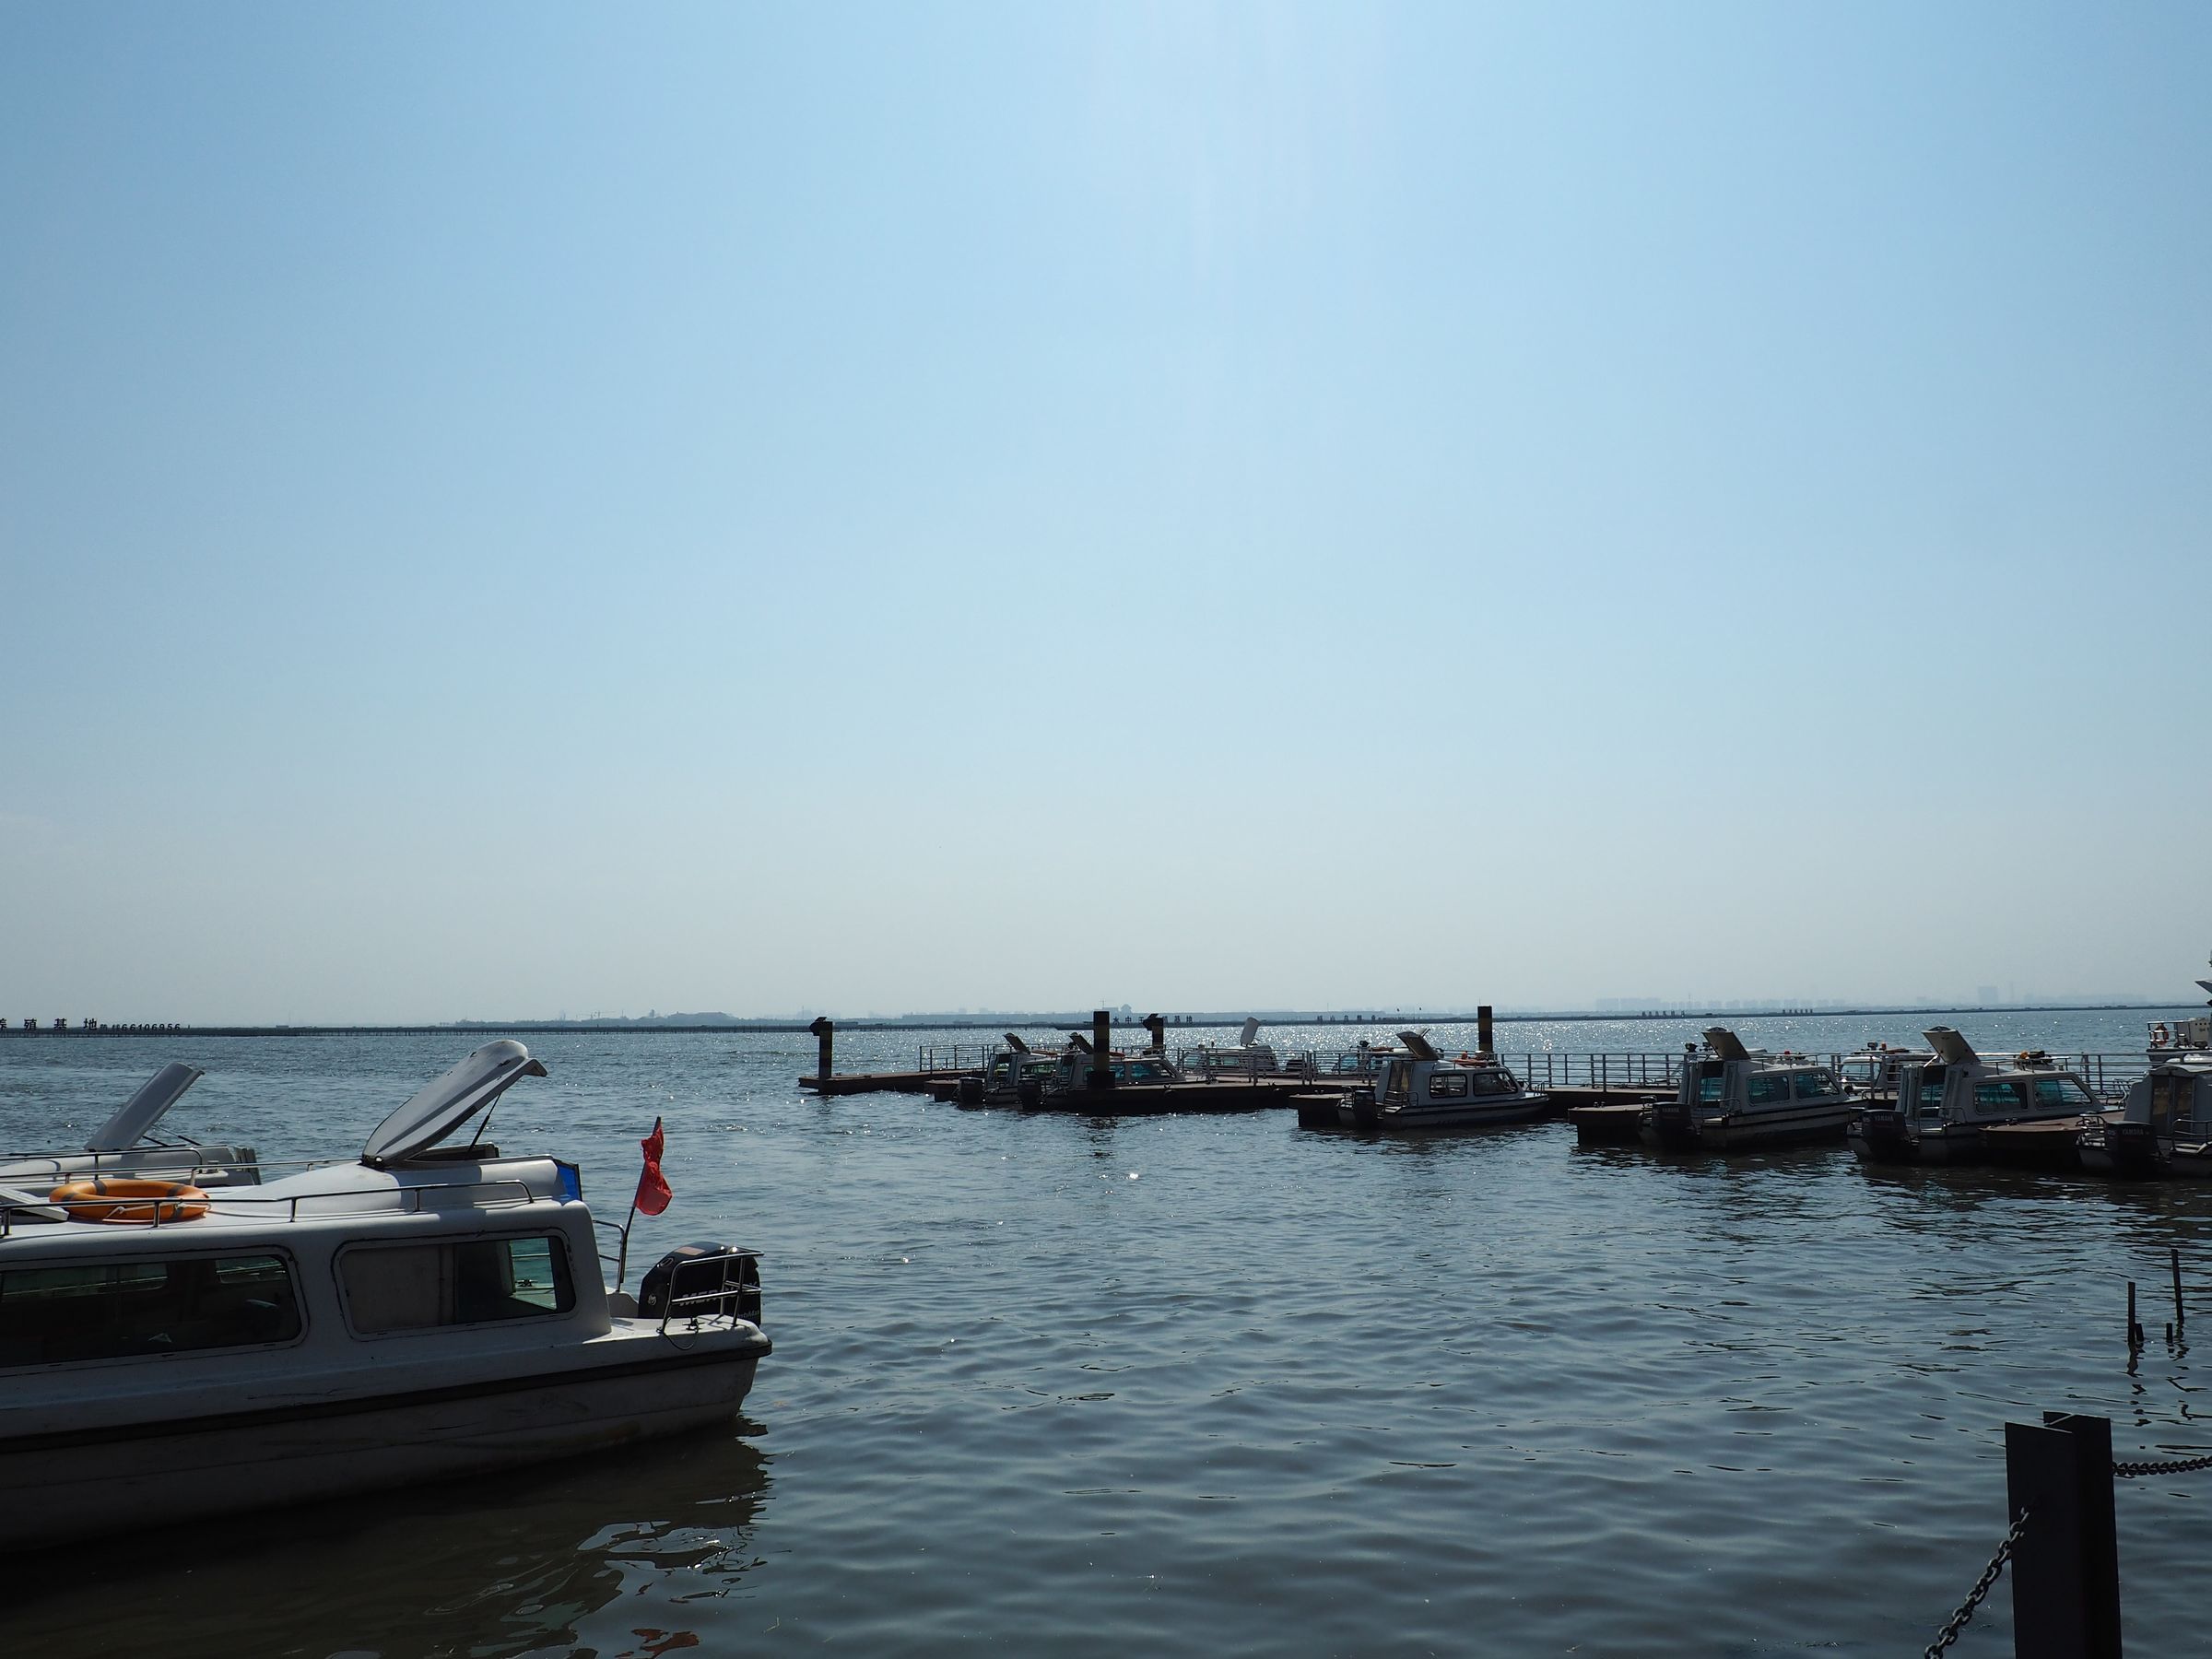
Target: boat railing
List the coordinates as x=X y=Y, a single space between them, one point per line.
x=1559 y=1069
x=248 y=1203
x=611 y=1266
x=724 y=1287
x=952 y=1056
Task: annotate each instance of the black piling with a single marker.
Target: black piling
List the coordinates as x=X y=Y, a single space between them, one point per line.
x=2176 y=1256
x=2065 y=1568
x=2134 y=1331
x=1101 y=1048
x=1482 y=1030
x=822 y=1029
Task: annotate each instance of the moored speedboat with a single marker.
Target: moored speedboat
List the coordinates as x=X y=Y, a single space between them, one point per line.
x=1731 y=1097
x=1246 y=1057
x=1871 y=1074
x=1416 y=1088
x=429 y=1311
x=126 y=1145
x=1015 y=1073
x=2164 y=1128
x=1947 y=1106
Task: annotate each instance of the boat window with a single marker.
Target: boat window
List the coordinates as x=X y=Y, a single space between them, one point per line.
x=1713 y=1083
x=1930 y=1099
x=1397 y=1087
x=1769 y=1089
x=1815 y=1084
x=454 y=1282
x=1999 y=1096
x=2060 y=1091
x=184 y=1304
x=1493 y=1082
x=1447 y=1085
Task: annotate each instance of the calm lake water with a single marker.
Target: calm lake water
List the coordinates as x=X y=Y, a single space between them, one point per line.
x=1220 y=1384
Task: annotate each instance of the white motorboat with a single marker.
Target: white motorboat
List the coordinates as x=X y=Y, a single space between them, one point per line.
x=1946 y=1106
x=1013 y=1073
x=1871 y=1073
x=2184 y=1036
x=1731 y=1097
x=1246 y=1057
x=2164 y=1127
x=1416 y=1088
x=127 y=1145
x=169 y=1352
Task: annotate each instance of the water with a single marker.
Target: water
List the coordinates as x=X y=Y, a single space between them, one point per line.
x=1206 y=1385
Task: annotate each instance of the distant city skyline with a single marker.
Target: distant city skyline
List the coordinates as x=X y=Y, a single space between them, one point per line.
x=517 y=507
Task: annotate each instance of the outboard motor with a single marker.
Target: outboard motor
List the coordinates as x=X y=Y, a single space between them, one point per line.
x=702 y=1281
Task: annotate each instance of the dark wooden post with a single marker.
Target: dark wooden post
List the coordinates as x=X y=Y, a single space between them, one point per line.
x=1158 y=1027
x=1101 y=1048
x=822 y=1029
x=1482 y=1030
x=2065 y=1569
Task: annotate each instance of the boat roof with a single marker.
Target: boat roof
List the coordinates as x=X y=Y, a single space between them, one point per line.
x=347 y=1193
x=144 y=1110
x=448 y=1101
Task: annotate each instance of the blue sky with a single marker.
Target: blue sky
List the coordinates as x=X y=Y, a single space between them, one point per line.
x=515 y=508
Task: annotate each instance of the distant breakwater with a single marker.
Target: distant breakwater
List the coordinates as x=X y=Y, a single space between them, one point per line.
x=1000 y=1022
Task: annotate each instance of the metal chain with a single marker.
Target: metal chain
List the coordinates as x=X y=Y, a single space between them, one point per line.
x=1979 y=1592
x=2128 y=1471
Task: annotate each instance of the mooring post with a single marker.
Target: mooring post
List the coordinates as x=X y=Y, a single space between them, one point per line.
x=2176 y=1254
x=2065 y=1569
x=1158 y=1027
x=1101 y=1048
x=822 y=1028
x=2134 y=1331
x=1482 y=1030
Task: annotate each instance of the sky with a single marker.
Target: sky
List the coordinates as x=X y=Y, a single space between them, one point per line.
x=519 y=508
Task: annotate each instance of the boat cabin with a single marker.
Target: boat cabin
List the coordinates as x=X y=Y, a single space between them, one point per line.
x=1958 y=1086
x=1731 y=1096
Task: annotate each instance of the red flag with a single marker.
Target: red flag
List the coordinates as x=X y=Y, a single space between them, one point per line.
x=653 y=1187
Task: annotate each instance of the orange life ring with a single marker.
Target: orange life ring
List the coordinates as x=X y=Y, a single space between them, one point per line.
x=97 y=1200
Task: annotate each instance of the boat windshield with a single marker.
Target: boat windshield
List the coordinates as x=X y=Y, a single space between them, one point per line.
x=2005 y=1095
x=2061 y=1092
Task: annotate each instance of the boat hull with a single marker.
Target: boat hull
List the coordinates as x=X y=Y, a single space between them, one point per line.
x=1669 y=1129
x=59 y=1488
x=1882 y=1137
x=2133 y=1151
x=1361 y=1112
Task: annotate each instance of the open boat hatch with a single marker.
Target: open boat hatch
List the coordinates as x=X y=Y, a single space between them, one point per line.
x=1726 y=1043
x=1949 y=1046
x=445 y=1105
x=144 y=1110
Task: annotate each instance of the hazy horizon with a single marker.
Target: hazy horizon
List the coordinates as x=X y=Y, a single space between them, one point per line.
x=531 y=506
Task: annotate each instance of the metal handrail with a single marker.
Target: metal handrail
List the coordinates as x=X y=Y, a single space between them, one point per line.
x=398 y=1201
